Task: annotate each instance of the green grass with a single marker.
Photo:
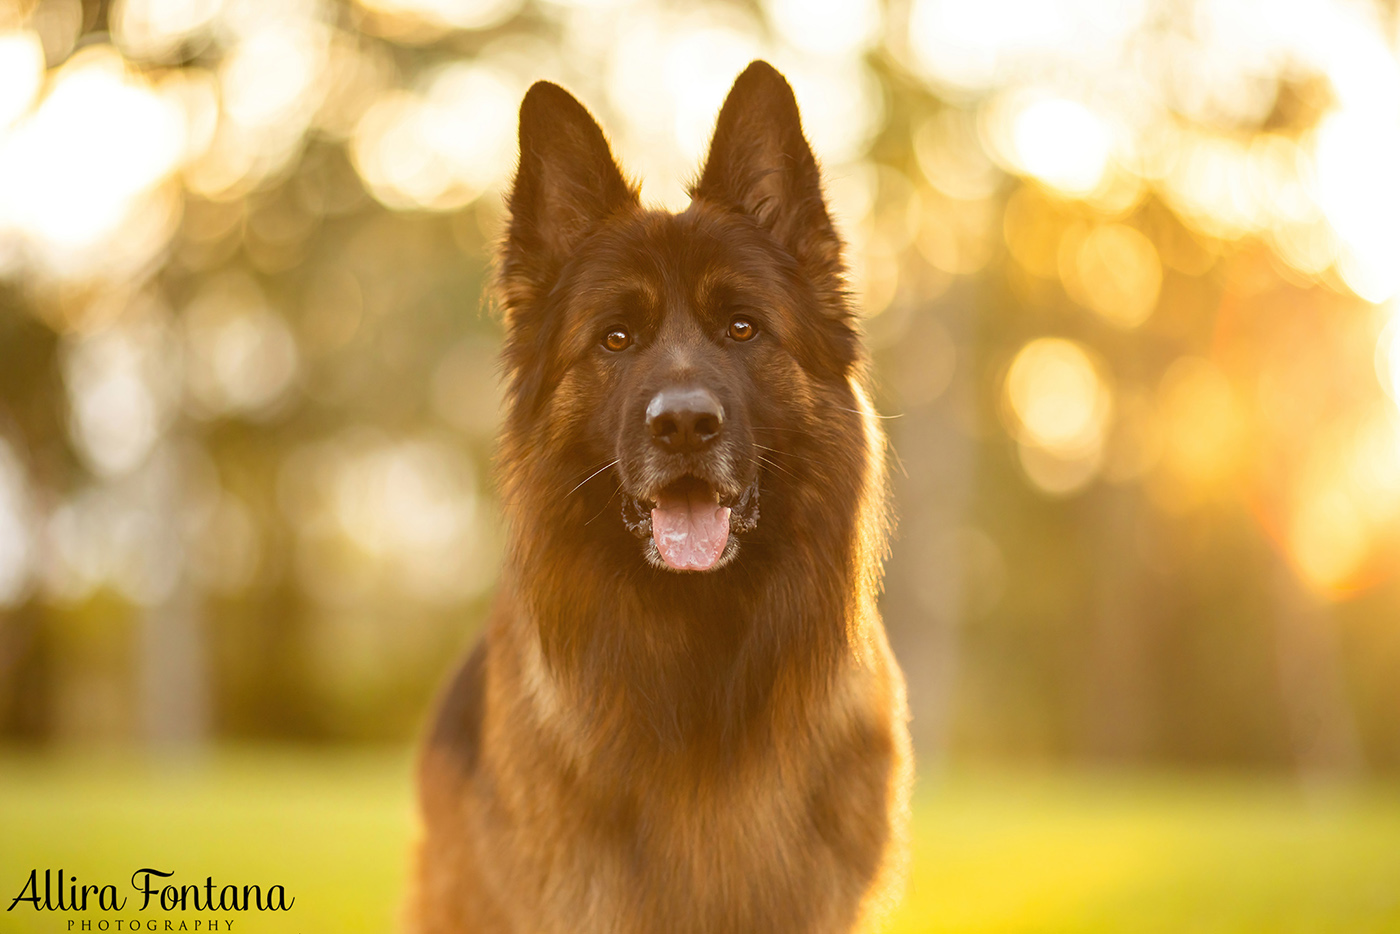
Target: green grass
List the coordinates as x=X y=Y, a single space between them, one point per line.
x=1074 y=854
x=333 y=829
x=1058 y=853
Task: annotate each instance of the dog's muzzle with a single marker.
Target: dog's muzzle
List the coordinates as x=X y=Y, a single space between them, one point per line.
x=689 y=525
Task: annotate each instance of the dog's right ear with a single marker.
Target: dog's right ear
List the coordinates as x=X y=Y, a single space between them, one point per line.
x=567 y=182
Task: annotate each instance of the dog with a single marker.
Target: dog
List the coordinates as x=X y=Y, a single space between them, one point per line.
x=683 y=715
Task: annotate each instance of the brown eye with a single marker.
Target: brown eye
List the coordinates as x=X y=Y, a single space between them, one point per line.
x=617 y=339
x=742 y=329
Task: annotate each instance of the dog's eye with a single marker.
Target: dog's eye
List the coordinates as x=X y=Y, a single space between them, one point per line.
x=742 y=329
x=617 y=339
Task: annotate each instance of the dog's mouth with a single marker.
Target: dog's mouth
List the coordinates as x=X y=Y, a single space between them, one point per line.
x=689 y=524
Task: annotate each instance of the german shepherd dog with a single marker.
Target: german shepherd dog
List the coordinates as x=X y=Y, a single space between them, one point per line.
x=683 y=716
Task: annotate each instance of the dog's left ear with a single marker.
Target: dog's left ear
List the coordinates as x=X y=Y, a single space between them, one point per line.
x=760 y=164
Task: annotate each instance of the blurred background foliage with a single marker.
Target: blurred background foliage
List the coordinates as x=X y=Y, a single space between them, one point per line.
x=1128 y=270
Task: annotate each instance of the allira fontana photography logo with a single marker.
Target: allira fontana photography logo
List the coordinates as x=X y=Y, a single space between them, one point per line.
x=149 y=892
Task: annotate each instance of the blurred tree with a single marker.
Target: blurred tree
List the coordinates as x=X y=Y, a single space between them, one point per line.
x=1128 y=277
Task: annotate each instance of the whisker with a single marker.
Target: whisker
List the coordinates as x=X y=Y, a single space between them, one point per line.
x=616 y=491
x=801 y=457
x=776 y=466
x=841 y=408
x=595 y=473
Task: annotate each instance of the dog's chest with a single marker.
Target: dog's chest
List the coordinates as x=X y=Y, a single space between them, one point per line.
x=735 y=856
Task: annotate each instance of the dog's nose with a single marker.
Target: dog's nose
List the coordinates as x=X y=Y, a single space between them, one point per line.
x=684 y=419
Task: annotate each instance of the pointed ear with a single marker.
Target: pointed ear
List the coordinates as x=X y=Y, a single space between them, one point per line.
x=567 y=182
x=760 y=164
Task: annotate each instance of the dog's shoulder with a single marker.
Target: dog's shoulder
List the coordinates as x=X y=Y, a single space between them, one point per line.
x=453 y=745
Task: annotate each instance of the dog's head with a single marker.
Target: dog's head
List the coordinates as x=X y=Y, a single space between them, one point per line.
x=667 y=371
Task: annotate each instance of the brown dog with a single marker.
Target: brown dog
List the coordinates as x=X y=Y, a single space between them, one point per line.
x=684 y=715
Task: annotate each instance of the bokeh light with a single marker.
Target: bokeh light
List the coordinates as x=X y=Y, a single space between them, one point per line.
x=157 y=29
x=241 y=357
x=21 y=74
x=1057 y=141
x=1388 y=355
x=1061 y=404
x=1328 y=539
x=425 y=20
x=1202 y=424
x=965 y=48
x=72 y=210
x=17 y=545
x=1127 y=273
x=373 y=512
x=1114 y=270
x=122 y=385
x=1359 y=192
x=441 y=149
x=828 y=27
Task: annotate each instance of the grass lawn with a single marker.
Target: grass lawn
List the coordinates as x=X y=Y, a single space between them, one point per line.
x=1004 y=852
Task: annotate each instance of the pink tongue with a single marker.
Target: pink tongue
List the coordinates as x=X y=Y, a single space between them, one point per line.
x=690 y=529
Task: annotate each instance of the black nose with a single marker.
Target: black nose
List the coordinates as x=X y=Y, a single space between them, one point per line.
x=684 y=419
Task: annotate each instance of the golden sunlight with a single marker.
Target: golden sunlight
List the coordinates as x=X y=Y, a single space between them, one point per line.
x=155 y=29
x=827 y=27
x=442 y=148
x=1359 y=191
x=72 y=203
x=440 y=15
x=1388 y=355
x=21 y=74
x=1327 y=539
x=1202 y=423
x=1113 y=270
x=1057 y=394
x=1055 y=140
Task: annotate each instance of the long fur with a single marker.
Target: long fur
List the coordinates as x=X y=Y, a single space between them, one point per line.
x=631 y=749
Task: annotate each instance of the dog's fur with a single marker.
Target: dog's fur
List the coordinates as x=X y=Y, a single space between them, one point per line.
x=633 y=749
